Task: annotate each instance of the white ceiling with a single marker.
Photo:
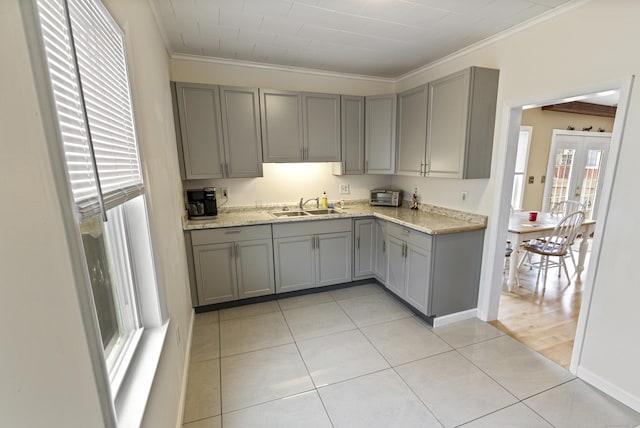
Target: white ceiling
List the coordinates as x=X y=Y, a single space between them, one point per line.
x=381 y=38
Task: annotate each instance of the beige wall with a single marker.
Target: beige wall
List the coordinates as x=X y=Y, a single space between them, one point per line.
x=46 y=373
x=543 y=123
x=199 y=71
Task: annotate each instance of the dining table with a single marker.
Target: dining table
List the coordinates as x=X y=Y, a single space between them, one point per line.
x=521 y=230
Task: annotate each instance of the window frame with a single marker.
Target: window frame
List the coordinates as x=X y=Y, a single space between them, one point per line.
x=126 y=408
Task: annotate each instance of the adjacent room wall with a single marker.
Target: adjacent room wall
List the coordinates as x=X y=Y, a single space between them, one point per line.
x=543 y=123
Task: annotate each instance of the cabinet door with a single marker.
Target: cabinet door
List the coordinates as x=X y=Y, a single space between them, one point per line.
x=380 y=134
x=241 y=130
x=254 y=262
x=364 y=248
x=447 y=129
x=201 y=130
x=352 y=112
x=418 y=268
x=333 y=258
x=321 y=119
x=381 y=255
x=281 y=114
x=215 y=271
x=294 y=263
x=412 y=131
x=396 y=267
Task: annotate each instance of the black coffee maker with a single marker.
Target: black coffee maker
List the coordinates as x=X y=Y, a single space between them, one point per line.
x=201 y=203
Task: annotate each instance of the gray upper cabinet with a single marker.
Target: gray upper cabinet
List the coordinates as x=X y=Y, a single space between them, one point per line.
x=460 y=124
x=240 y=109
x=200 y=130
x=412 y=131
x=380 y=134
x=321 y=120
x=281 y=113
x=352 y=131
x=299 y=127
x=219 y=131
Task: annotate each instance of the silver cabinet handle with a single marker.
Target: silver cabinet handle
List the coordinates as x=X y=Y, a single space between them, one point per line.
x=313 y=243
x=318 y=242
x=384 y=246
x=366 y=166
x=358 y=242
x=230 y=232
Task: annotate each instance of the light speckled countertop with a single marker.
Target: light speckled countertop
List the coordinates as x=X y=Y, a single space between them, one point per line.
x=429 y=218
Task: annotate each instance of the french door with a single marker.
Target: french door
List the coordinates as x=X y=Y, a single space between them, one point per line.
x=577 y=160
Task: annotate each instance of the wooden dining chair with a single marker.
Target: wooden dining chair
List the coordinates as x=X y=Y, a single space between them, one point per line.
x=563 y=208
x=557 y=244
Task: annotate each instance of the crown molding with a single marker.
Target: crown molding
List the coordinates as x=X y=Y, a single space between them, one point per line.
x=281 y=68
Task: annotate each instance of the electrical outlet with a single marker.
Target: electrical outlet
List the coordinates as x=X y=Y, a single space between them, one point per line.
x=224 y=191
x=344 y=189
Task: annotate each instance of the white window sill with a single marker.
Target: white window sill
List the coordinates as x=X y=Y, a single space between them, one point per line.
x=133 y=394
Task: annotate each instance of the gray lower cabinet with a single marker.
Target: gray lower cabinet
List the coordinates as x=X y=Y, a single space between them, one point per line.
x=312 y=254
x=381 y=255
x=409 y=266
x=219 y=131
x=380 y=134
x=436 y=274
x=232 y=263
x=364 y=231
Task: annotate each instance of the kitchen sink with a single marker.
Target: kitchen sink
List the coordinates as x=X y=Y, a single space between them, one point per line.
x=290 y=214
x=323 y=211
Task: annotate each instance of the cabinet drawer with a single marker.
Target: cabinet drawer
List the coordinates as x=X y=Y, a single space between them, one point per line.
x=314 y=227
x=410 y=236
x=230 y=234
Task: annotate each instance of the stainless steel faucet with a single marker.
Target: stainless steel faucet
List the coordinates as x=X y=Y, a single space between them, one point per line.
x=312 y=199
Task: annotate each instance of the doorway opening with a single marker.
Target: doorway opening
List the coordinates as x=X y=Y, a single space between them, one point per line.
x=551 y=322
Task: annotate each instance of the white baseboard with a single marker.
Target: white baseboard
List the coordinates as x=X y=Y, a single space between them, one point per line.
x=458 y=316
x=609 y=389
x=185 y=372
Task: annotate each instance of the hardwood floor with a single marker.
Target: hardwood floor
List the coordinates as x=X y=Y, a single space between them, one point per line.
x=544 y=321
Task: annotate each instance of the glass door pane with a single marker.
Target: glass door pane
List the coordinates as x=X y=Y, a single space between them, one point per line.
x=592 y=173
x=561 y=178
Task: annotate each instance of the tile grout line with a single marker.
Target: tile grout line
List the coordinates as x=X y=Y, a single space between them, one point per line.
x=313 y=382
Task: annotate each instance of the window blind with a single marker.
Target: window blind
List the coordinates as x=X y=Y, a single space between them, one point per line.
x=69 y=106
x=93 y=103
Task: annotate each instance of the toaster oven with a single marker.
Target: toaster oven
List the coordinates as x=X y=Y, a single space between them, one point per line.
x=386 y=197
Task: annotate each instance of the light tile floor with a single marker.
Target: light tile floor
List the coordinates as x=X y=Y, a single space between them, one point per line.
x=356 y=357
